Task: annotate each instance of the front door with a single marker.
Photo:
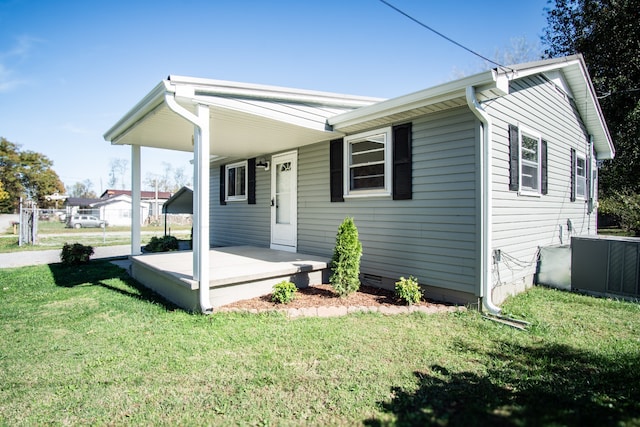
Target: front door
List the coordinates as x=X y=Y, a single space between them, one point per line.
x=284 y=201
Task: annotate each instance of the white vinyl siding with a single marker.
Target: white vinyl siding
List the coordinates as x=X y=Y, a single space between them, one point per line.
x=237 y=224
x=522 y=224
x=432 y=236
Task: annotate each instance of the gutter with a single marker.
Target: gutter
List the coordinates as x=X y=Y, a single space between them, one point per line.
x=486 y=146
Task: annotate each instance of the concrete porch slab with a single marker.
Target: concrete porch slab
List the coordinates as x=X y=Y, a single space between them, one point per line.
x=236 y=273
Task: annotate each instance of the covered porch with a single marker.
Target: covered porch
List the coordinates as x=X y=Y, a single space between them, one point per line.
x=231 y=121
x=236 y=273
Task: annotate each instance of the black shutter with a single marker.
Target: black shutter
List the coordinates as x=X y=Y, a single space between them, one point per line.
x=514 y=159
x=402 y=164
x=222 y=185
x=336 y=169
x=573 y=175
x=251 y=181
x=544 y=173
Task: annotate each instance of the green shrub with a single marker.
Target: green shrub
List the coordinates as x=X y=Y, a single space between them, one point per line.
x=625 y=208
x=74 y=254
x=408 y=290
x=162 y=244
x=345 y=263
x=284 y=292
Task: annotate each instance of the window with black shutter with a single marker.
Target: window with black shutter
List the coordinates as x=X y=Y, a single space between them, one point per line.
x=528 y=163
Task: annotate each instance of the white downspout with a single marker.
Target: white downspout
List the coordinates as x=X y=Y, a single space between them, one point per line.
x=201 y=151
x=486 y=200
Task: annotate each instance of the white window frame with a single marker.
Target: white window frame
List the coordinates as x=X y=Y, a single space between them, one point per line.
x=530 y=191
x=580 y=178
x=235 y=198
x=349 y=141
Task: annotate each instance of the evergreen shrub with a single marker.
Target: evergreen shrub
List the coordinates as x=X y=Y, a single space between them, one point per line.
x=345 y=263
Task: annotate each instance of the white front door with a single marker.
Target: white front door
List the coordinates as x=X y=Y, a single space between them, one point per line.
x=284 y=201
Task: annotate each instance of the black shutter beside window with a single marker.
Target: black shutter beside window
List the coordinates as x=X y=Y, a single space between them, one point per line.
x=222 y=185
x=514 y=159
x=402 y=162
x=251 y=181
x=573 y=175
x=336 y=169
x=544 y=167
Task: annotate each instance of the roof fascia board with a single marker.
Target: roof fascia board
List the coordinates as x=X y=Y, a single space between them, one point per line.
x=222 y=88
x=148 y=104
x=423 y=98
x=592 y=107
x=593 y=99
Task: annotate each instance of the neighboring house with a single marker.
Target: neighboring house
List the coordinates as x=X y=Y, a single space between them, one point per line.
x=116 y=210
x=458 y=185
x=74 y=205
x=154 y=200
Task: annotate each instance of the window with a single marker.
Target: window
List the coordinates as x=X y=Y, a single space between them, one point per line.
x=236 y=181
x=528 y=165
x=368 y=163
x=529 y=162
x=581 y=176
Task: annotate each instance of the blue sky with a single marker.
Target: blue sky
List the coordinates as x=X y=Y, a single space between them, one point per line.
x=70 y=69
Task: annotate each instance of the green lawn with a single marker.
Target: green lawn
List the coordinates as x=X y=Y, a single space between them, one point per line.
x=53 y=235
x=88 y=346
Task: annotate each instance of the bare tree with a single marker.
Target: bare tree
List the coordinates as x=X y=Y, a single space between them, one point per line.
x=518 y=50
x=118 y=170
x=82 y=189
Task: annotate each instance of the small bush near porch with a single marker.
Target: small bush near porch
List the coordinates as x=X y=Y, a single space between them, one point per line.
x=87 y=346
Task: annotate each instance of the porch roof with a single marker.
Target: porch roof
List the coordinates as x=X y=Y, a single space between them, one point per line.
x=179 y=203
x=246 y=120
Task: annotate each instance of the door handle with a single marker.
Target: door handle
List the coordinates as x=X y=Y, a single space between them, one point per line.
x=273 y=202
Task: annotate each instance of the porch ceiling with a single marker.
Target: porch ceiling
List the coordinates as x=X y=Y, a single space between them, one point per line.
x=233 y=133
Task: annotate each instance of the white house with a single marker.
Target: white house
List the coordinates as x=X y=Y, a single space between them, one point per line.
x=117 y=210
x=459 y=184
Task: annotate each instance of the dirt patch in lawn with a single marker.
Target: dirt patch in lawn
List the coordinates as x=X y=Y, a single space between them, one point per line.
x=325 y=296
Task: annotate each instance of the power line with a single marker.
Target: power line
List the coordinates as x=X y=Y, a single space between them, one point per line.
x=442 y=35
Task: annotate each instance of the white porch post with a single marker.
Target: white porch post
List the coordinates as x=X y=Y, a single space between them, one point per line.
x=201 y=153
x=201 y=206
x=135 y=200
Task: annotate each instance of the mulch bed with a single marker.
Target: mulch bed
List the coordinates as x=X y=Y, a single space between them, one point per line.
x=324 y=296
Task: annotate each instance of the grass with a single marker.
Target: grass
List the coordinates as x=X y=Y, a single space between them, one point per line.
x=52 y=235
x=90 y=346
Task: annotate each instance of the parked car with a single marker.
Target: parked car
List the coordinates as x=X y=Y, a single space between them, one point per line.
x=85 y=221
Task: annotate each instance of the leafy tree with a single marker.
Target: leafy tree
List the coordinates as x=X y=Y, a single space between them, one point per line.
x=606 y=33
x=3 y=194
x=38 y=177
x=82 y=189
x=26 y=174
